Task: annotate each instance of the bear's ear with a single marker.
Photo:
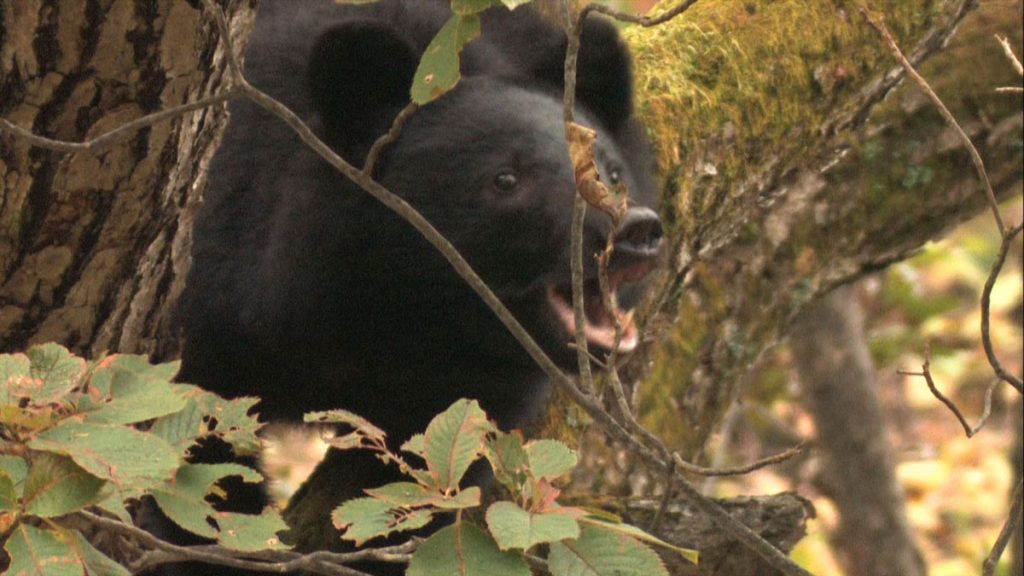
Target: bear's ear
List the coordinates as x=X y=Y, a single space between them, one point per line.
x=604 y=73
x=359 y=76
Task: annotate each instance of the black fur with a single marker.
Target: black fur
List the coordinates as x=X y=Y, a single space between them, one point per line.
x=307 y=292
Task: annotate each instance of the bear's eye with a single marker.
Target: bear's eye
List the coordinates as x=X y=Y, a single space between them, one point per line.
x=506 y=181
x=614 y=175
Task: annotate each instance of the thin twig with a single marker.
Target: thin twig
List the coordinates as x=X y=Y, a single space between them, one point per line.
x=119 y=133
x=979 y=164
x=278 y=562
x=926 y=373
x=645 y=21
x=988 y=567
x=741 y=470
x=1014 y=61
x=385 y=140
x=666 y=498
x=986 y=297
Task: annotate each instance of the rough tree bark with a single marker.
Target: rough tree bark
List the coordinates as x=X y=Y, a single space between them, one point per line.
x=743 y=99
x=94 y=246
x=776 y=189
x=837 y=380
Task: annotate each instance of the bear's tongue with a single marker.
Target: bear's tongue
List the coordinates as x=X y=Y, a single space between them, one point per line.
x=600 y=325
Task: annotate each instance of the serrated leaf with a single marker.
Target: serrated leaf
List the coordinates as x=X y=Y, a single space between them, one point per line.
x=55 y=486
x=13 y=369
x=408 y=494
x=413 y=445
x=438 y=70
x=363 y=519
x=129 y=393
x=615 y=524
x=467 y=498
x=453 y=440
x=57 y=368
x=513 y=527
x=465 y=7
x=464 y=550
x=600 y=552
x=508 y=459
x=183 y=499
x=251 y=533
x=37 y=552
x=207 y=415
x=357 y=422
x=125 y=456
x=96 y=563
x=550 y=459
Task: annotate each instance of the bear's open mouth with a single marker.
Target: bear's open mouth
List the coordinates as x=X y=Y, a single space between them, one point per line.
x=600 y=325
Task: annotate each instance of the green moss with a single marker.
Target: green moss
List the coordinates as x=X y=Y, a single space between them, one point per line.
x=735 y=82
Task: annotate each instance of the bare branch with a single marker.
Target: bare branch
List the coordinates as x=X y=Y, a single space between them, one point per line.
x=1011 y=56
x=277 y=562
x=740 y=470
x=986 y=296
x=384 y=141
x=926 y=373
x=988 y=568
x=645 y=21
x=119 y=133
x=979 y=164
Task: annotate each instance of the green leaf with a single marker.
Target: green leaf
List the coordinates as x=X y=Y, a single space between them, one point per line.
x=59 y=370
x=453 y=440
x=15 y=467
x=413 y=445
x=126 y=457
x=465 y=7
x=251 y=533
x=9 y=500
x=513 y=527
x=508 y=459
x=550 y=459
x=127 y=391
x=600 y=552
x=96 y=563
x=183 y=499
x=114 y=503
x=13 y=369
x=615 y=524
x=464 y=550
x=207 y=415
x=466 y=498
x=408 y=494
x=438 y=71
x=55 y=486
x=513 y=4
x=363 y=519
x=37 y=552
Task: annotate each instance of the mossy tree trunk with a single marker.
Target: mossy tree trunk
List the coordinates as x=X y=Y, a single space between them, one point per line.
x=777 y=188
x=94 y=246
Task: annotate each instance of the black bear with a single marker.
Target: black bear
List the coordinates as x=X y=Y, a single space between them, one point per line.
x=307 y=292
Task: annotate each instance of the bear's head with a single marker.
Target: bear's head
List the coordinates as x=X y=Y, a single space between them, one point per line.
x=487 y=164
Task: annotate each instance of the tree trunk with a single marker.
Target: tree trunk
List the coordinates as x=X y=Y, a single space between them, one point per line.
x=94 y=246
x=837 y=381
x=777 y=191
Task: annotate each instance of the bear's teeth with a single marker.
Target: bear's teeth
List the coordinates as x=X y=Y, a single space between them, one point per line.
x=599 y=329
